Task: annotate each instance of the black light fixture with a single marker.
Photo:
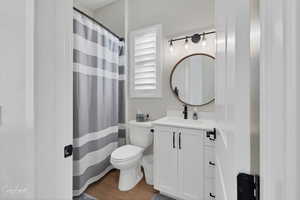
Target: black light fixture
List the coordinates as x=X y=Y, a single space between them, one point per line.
x=171 y=45
x=194 y=38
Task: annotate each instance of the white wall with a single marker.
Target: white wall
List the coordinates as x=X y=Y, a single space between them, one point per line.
x=16 y=100
x=158 y=107
x=177 y=18
x=83 y=8
x=113 y=17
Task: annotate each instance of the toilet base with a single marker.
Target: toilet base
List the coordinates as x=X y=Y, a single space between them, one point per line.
x=130 y=178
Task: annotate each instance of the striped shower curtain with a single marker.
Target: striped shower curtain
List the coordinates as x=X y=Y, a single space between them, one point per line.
x=99 y=102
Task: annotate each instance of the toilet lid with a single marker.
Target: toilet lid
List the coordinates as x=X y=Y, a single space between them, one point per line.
x=126 y=152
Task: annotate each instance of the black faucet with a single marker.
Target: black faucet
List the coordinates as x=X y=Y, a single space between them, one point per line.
x=185 y=112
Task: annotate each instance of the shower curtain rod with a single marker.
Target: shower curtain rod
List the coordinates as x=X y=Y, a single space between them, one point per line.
x=97 y=22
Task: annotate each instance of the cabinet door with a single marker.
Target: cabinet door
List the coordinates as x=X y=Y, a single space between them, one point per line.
x=191 y=160
x=165 y=160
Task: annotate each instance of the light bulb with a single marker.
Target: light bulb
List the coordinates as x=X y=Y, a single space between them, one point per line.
x=186 y=45
x=203 y=42
x=171 y=46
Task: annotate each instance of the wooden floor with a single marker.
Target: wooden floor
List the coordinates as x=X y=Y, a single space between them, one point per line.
x=107 y=189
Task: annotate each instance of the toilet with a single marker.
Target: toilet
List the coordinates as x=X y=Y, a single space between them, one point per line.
x=128 y=158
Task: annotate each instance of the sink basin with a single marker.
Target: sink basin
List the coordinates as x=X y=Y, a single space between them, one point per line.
x=185 y=123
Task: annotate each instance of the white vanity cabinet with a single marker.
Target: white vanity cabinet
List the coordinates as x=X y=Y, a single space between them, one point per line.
x=183 y=163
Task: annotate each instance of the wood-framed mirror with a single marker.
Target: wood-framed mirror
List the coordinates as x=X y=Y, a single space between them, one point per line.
x=192 y=79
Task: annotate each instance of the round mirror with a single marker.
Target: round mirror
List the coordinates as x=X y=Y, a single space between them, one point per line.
x=193 y=79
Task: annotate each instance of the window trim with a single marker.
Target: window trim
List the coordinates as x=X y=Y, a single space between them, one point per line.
x=157 y=93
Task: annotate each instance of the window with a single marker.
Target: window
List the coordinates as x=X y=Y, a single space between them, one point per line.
x=145 y=62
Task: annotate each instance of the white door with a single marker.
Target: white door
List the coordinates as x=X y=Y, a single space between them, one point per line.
x=225 y=160
x=280 y=98
x=16 y=100
x=190 y=162
x=53 y=98
x=35 y=99
x=237 y=94
x=166 y=161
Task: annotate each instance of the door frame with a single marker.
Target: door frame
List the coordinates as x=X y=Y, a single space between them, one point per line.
x=279 y=107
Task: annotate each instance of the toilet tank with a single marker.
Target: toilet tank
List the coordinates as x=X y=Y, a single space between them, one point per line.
x=140 y=133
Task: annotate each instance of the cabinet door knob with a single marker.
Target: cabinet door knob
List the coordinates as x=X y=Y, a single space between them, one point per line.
x=212 y=163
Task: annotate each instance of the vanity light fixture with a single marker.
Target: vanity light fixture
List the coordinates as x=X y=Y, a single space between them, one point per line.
x=195 y=38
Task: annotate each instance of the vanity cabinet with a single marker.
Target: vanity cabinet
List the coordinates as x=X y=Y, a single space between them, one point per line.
x=183 y=163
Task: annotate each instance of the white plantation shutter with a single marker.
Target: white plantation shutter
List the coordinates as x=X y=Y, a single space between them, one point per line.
x=145 y=50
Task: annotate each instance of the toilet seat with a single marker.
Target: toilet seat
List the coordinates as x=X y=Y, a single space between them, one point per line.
x=126 y=153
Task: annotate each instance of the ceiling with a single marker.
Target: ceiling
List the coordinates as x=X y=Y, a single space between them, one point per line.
x=94 y=4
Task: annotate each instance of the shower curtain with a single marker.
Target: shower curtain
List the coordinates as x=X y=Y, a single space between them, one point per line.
x=99 y=104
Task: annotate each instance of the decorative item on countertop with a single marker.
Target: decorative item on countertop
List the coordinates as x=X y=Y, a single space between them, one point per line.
x=195 y=114
x=141 y=117
x=147 y=117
